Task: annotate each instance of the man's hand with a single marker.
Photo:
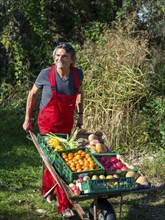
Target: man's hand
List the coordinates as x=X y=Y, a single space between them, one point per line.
x=27 y=125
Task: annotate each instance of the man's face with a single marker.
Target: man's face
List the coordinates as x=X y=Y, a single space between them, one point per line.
x=62 y=59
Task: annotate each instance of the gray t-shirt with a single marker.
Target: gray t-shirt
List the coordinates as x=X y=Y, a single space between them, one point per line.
x=65 y=87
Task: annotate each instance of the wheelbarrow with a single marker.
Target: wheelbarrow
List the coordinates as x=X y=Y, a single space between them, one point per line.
x=100 y=209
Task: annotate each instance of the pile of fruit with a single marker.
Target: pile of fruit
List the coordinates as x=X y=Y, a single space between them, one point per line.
x=140 y=181
x=112 y=163
x=94 y=142
x=58 y=143
x=79 y=161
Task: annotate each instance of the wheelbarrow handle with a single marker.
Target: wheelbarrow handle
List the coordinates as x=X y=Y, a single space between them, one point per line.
x=28 y=136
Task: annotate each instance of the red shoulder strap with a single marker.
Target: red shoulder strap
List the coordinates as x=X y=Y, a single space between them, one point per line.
x=51 y=77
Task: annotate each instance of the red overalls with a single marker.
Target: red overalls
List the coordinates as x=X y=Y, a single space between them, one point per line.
x=57 y=117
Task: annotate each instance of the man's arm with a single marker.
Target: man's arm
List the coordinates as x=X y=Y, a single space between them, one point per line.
x=29 y=108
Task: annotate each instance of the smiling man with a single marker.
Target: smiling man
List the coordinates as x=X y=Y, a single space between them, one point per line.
x=61 y=86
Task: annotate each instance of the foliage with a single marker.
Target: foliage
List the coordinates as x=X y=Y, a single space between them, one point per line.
x=123 y=66
x=154 y=112
x=147 y=16
x=116 y=73
x=153 y=164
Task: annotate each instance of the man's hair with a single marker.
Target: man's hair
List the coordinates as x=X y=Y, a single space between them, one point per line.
x=68 y=48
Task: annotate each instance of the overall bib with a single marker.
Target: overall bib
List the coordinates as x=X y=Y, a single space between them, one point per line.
x=57 y=117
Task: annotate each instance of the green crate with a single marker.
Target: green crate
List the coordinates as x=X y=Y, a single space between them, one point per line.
x=120 y=173
x=65 y=172
x=46 y=148
x=112 y=153
x=108 y=185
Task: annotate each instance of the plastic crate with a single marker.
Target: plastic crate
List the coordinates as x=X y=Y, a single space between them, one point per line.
x=65 y=172
x=108 y=185
x=111 y=153
x=120 y=173
x=46 y=148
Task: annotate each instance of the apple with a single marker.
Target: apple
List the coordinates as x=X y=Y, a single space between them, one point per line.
x=142 y=180
x=104 y=164
x=114 y=166
x=102 y=177
x=124 y=168
x=119 y=164
x=95 y=177
x=74 y=188
x=108 y=163
x=77 y=191
x=112 y=169
x=72 y=185
x=109 y=177
x=114 y=159
x=103 y=159
x=115 y=175
x=132 y=174
x=79 y=180
x=94 y=142
x=85 y=178
x=92 y=137
x=99 y=159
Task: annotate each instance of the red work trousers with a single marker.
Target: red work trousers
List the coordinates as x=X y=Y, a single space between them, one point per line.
x=49 y=182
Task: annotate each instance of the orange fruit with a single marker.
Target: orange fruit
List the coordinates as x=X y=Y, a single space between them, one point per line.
x=90 y=159
x=86 y=168
x=78 y=166
x=78 y=156
x=81 y=162
x=79 y=170
x=87 y=156
x=70 y=155
x=73 y=169
x=66 y=159
x=86 y=163
x=75 y=154
x=80 y=151
x=83 y=153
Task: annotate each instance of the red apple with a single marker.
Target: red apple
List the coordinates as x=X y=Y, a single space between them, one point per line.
x=103 y=159
x=115 y=175
x=114 y=166
x=79 y=180
x=108 y=163
x=114 y=159
x=124 y=168
x=77 y=191
x=112 y=169
x=119 y=164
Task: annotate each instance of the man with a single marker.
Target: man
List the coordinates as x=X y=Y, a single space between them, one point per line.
x=61 y=86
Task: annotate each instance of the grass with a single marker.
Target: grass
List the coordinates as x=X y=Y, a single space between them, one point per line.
x=21 y=178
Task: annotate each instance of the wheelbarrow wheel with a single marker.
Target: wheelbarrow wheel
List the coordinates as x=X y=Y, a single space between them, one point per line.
x=105 y=210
